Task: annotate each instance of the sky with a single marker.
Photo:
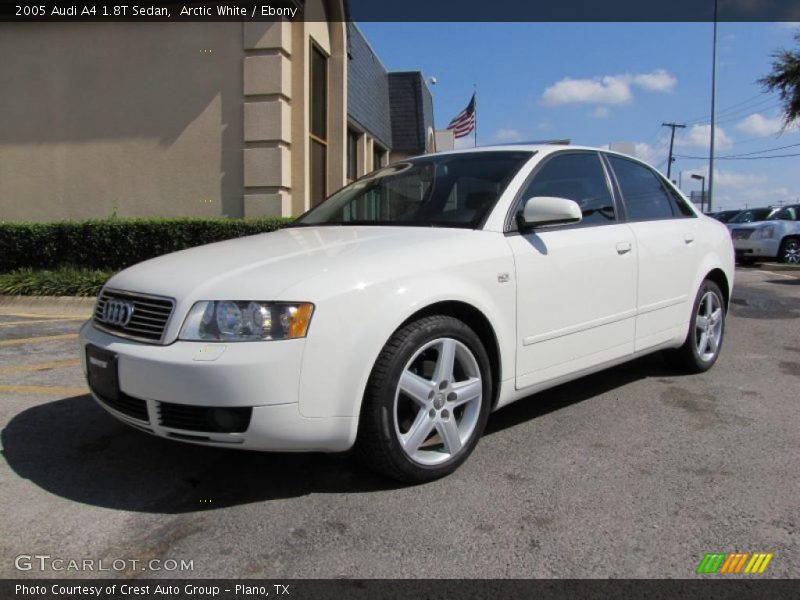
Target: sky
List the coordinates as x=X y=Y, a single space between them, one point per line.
x=598 y=83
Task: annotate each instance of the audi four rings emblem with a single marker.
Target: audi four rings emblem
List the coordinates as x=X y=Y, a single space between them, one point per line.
x=118 y=312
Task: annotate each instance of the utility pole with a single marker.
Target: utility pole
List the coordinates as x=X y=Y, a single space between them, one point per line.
x=713 y=110
x=671 y=144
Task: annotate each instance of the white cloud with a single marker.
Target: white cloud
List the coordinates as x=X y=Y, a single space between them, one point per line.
x=767 y=196
x=507 y=135
x=600 y=112
x=602 y=90
x=789 y=25
x=727 y=179
x=657 y=81
x=699 y=136
x=736 y=189
x=758 y=124
x=607 y=89
x=464 y=142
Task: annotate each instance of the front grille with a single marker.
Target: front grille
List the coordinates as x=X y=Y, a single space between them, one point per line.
x=133 y=407
x=148 y=320
x=742 y=234
x=204 y=418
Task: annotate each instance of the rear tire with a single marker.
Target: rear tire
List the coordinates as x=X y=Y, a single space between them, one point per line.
x=706 y=332
x=427 y=401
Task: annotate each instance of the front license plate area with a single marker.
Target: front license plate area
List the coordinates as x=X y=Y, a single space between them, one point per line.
x=101 y=368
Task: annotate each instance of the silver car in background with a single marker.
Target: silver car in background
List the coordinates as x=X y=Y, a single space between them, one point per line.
x=778 y=237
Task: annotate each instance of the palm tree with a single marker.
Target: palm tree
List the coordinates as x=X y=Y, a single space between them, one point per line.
x=785 y=79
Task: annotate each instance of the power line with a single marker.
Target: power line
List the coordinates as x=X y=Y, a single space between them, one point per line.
x=735 y=108
x=742 y=154
x=760 y=151
x=738 y=157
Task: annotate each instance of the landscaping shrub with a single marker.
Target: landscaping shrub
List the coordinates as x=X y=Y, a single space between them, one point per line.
x=113 y=244
x=65 y=281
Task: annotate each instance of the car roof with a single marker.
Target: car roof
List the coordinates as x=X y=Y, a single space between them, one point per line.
x=539 y=148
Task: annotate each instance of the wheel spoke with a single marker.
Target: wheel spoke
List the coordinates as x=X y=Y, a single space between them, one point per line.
x=716 y=316
x=465 y=391
x=709 y=305
x=445 y=362
x=448 y=429
x=702 y=323
x=702 y=345
x=416 y=387
x=418 y=432
x=712 y=342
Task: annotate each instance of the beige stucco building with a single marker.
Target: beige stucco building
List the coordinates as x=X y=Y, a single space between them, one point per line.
x=196 y=119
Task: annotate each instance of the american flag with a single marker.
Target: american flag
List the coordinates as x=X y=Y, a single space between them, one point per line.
x=464 y=122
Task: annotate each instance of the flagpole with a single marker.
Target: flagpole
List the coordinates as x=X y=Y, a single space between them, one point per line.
x=475 y=94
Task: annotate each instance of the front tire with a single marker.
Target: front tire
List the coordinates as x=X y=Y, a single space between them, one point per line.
x=427 y=401
x=790 y=251
x=706 y=331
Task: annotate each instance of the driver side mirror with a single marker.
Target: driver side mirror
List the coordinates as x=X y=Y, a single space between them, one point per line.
x=547 y=211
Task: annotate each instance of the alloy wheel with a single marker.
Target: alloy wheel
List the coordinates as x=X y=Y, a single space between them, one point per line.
x=791 y=252
x=437 y=403
x=708 y=326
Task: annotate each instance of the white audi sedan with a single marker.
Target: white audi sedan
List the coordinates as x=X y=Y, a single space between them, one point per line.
x=395 y=316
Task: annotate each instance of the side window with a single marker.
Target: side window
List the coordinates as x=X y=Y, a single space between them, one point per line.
x=579 y=177
x=679 y=205
x=787 y=214
x=645 y=197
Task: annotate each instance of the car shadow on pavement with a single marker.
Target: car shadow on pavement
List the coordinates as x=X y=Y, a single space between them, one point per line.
x=566 y=394
x=73 y=449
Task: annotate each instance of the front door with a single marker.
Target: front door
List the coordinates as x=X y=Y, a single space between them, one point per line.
x=576 y=285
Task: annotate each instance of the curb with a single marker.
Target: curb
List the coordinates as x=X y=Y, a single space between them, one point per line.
x=78 y=306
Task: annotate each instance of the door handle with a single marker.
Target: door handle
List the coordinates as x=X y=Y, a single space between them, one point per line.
x=623 y=247
x=688 y=238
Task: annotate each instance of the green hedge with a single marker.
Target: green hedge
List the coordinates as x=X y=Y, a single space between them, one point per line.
x=65 y=281
x=113 y=244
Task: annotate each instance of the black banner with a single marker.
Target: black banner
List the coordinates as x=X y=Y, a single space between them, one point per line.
x=407 y=10
x=374 y=589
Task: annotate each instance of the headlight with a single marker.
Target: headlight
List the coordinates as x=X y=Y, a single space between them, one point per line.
x=765 y=233
x=246 y=321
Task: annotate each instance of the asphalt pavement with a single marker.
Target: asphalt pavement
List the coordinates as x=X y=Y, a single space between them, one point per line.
x=637 y=471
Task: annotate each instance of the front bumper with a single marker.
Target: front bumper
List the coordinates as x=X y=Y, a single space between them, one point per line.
x=263 y=376
x=756 y=248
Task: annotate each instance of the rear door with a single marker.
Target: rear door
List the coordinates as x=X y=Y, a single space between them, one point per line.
x=665 y=229
x=576 y=284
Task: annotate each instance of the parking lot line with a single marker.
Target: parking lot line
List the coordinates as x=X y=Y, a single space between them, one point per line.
x=36 y=340
x=58 y=364
x=778 y=274
x=43 y=389
x=37 y=321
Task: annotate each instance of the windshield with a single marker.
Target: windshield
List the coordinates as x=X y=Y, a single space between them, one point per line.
x=748 y=216
x=447 y=190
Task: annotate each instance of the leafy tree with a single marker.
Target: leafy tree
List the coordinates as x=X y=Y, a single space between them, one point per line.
x=785 y=79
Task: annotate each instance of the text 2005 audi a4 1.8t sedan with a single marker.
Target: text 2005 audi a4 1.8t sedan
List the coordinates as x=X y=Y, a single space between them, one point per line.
x=396 y=315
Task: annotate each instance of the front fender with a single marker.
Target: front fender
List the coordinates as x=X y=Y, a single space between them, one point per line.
x=350 y=329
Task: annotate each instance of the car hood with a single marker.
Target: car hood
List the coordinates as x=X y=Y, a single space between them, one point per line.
x=272 y=262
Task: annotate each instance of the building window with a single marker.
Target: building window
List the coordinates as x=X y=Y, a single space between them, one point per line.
x=378 y=155
x=319 y=124
x=352 y=155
